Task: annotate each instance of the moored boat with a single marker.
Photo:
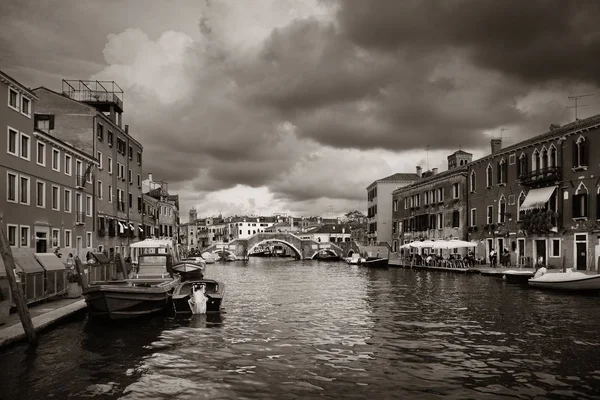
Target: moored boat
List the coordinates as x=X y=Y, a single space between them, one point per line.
x=147 y=293
x=213 y=290
x=569 y=281
x=517 y=276
x=374 y=262
x=189 y=270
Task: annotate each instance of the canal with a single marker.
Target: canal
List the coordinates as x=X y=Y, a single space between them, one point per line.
x=328 y=330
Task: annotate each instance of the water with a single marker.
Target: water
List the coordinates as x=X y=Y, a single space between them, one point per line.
x=329 y=330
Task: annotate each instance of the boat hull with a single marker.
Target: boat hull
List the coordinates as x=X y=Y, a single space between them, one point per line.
x=121 y=300
x=215 y=291
x=375 y=263
x=518 y=278
x=591 y=283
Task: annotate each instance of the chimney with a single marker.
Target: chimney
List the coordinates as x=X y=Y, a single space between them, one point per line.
x=127 y=129
x=434 y=171
x=419 y=171
x=150 y=177
x=496 y=145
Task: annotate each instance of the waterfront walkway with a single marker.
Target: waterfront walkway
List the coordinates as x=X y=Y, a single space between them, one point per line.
x=43 y=315
x=483 y=269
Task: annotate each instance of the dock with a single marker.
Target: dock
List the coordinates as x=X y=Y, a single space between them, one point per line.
x=478 y=269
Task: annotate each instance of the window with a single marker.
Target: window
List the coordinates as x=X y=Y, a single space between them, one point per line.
x=139 y=201
x=490 y=215
x=440 y=195
x=68 y=200
x=552 y=162
x=121 y=146
x=99 y=190
x=512 y=159
x=489 y=176
x=473 y=217
x=11 y=187
x=55 y=198
x=56 y=160
x=502 y=169
x=520 y=202
x=110 y=194
x=40 y=194
x=24 y=190
x=395 y=204
x=110 y=165
x=455 y=219
x=41 y=153
x=24 y=236
x=44 y=122
x=88 y=173
x=88 y=239
x=12 y=144
x=455 y=190
x=544 y=158
x=139 y=158
x=473 y=182
x=79 y=172
x=130 y=178
x=55 y=237
x=99 y=155
x=502 y=210
x=25 y=146
x=110 y=138
x=535 y=160
x=580 y=153
x=118 y=170
x=88 y=206
x=130 y=153
x=522 y=166
x=139 y=180
x=440 y=220
x=67 y=238
x=122 y=171
x=100 y=131
x=580 y=202
x=12 y=234
x=130 y=200
x=13 y=99
x=25 y=106
x=555 y=248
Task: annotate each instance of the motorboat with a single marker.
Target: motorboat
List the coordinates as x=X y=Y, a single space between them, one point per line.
x=569 y=280
x=515 y=276
x=189 y=270
x=196 y=260
x=184 y=291
x=374 y=262
x=354 y=260
x=147 y=293
x=208 y=257
x=326 y=256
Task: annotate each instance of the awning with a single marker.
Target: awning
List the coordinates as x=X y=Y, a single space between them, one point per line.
x=50 y=261
x=140 y=228
x=131 y=226
x=26 y=261
x=121 y=226
x=537 y=198
x=101 y=258
x=3 y=268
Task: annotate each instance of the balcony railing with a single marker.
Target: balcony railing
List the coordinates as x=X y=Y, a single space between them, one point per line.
x=79 y=218
x=539 y=176
x=97 y=93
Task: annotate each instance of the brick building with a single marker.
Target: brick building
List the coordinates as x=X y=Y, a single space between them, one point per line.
x=434 y=207
x=49 y=200
x=88 y=114
x=539 y=198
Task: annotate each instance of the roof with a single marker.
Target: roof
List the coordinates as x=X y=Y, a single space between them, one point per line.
x=460 y=152
x=332 y=228
x=397 y=177
x=5 y=77
x=439 y=176
x=551 y=133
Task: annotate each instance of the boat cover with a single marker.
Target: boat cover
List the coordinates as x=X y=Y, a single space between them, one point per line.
x=50 y=261
x=537 y=198
x=26 y=261
x=3 y=268
x=101 y=258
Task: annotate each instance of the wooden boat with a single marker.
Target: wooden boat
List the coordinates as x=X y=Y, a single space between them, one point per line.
x=374 y=262
x=572 y=281
x=517 y=276
x=147 y=293
x=215 y=291
x=189 y=270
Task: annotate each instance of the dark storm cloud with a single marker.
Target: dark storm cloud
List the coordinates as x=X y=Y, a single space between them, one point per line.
x=537 y=40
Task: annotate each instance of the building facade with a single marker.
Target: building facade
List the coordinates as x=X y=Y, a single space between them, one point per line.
x=88 y=114
x=48 y=201
x=434 y=207
x=539 y=198
x=379 y=203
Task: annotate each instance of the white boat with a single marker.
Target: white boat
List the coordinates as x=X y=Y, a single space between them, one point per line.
x=518 y=276
x=575 y=281
x=208 y=257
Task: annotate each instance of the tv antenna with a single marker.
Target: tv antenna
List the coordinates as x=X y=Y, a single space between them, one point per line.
x=577 y=105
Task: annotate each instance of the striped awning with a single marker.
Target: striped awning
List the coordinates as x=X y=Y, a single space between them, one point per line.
x=537 y=198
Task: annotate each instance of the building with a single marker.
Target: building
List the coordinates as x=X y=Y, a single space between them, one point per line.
x=49 y=201
x=538 y=198
x=244 y=227
x=433 y=207
x=162 y=208
x=328 y=233
x=379 y=203
x=88 y=114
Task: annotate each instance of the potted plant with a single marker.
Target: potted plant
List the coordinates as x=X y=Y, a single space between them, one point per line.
x=73 y=287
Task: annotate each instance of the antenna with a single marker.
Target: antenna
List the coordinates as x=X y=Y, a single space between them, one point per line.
x=576 y=98
x=427 y=155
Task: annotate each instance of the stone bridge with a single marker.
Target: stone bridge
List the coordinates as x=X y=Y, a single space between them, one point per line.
x=304 y=249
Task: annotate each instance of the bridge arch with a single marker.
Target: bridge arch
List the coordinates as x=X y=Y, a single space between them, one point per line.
x=297 y=251
x=321 y=251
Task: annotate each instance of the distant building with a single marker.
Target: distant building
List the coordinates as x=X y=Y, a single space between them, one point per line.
x=379 y=202
x=328 y=233
x=164 y=211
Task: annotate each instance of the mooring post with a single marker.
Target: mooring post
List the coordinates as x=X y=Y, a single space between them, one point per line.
x=16 y=289
x=121 y=266
x=80 y=270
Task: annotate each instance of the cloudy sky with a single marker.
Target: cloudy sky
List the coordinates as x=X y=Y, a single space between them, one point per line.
x=259 y=106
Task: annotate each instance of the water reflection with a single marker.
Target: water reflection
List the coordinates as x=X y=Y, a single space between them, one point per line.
x=328 y=330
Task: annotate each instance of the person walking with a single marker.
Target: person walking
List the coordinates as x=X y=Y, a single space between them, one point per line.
x=493 y=258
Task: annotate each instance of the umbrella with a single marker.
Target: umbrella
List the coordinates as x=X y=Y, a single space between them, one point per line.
x=453 y=244
x=422 y=245
x=406 y=246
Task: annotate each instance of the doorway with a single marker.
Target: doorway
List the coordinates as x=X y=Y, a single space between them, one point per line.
x=490 y=246
x=41 y=242
x=581 y=252
x=79 y=245
x=540 y=252
x=521 y=253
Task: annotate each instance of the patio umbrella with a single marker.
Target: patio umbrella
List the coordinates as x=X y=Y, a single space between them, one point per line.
x=406 y=246
x=427 y=244
x=453 y=244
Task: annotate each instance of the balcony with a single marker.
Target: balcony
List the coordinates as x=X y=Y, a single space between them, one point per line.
x=540 y=176
x=79 y=218
x=102 y=95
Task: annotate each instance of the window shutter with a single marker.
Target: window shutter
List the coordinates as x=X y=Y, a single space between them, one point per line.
x=505 y=172
x=498 y=173
x=584 y=153
x=575 y=207
x=575 y=155
x=585 y=205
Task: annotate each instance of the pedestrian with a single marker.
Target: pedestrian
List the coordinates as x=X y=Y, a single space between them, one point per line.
x=493 y=258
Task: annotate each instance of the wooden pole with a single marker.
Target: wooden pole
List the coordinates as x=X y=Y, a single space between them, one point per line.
x=80 y=270
x=15 y=287
x=121 y=266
